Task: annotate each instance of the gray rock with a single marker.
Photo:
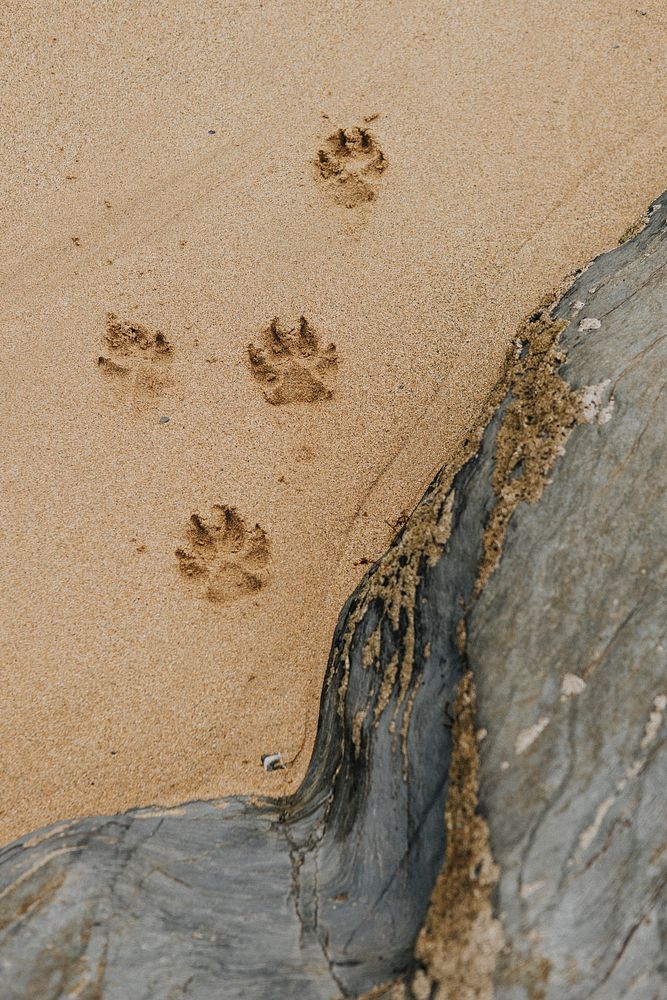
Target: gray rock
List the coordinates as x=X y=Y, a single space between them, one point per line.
x=324 y=893
x=579 y=818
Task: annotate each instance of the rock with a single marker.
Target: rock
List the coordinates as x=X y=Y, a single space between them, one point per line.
x=579 y=820
x=483 y=812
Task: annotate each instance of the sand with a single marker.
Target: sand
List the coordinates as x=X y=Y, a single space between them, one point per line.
x=169 y=587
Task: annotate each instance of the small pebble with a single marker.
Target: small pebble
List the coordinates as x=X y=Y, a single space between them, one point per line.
x=272 y=761
x=211 y=131
x=165 y=420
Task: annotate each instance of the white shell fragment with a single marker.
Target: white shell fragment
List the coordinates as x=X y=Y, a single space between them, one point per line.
x=571 y=685
x=590 y=324
x=592 y=410
x=528 y=736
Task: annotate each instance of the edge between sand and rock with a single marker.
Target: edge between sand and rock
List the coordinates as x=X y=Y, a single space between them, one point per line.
x=502 y=666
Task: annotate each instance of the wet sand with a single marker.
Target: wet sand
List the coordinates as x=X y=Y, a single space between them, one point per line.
x=164 y=166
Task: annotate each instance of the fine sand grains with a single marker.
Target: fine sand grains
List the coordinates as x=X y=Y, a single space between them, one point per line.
x=260 y=267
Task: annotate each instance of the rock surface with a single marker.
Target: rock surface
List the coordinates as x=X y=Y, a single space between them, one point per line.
x=568 y=649
x=534 y=567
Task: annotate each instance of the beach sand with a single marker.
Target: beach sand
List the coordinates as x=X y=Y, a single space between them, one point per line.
x=180 y=166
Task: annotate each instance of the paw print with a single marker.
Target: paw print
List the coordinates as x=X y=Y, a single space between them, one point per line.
x=290 y=365
x=350 y=165
x=138 y=359
x=224 y=558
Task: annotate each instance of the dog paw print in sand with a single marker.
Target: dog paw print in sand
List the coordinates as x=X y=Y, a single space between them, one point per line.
x=224 y=558
x=291 y=366
x=136 y=358
x=350 y=165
